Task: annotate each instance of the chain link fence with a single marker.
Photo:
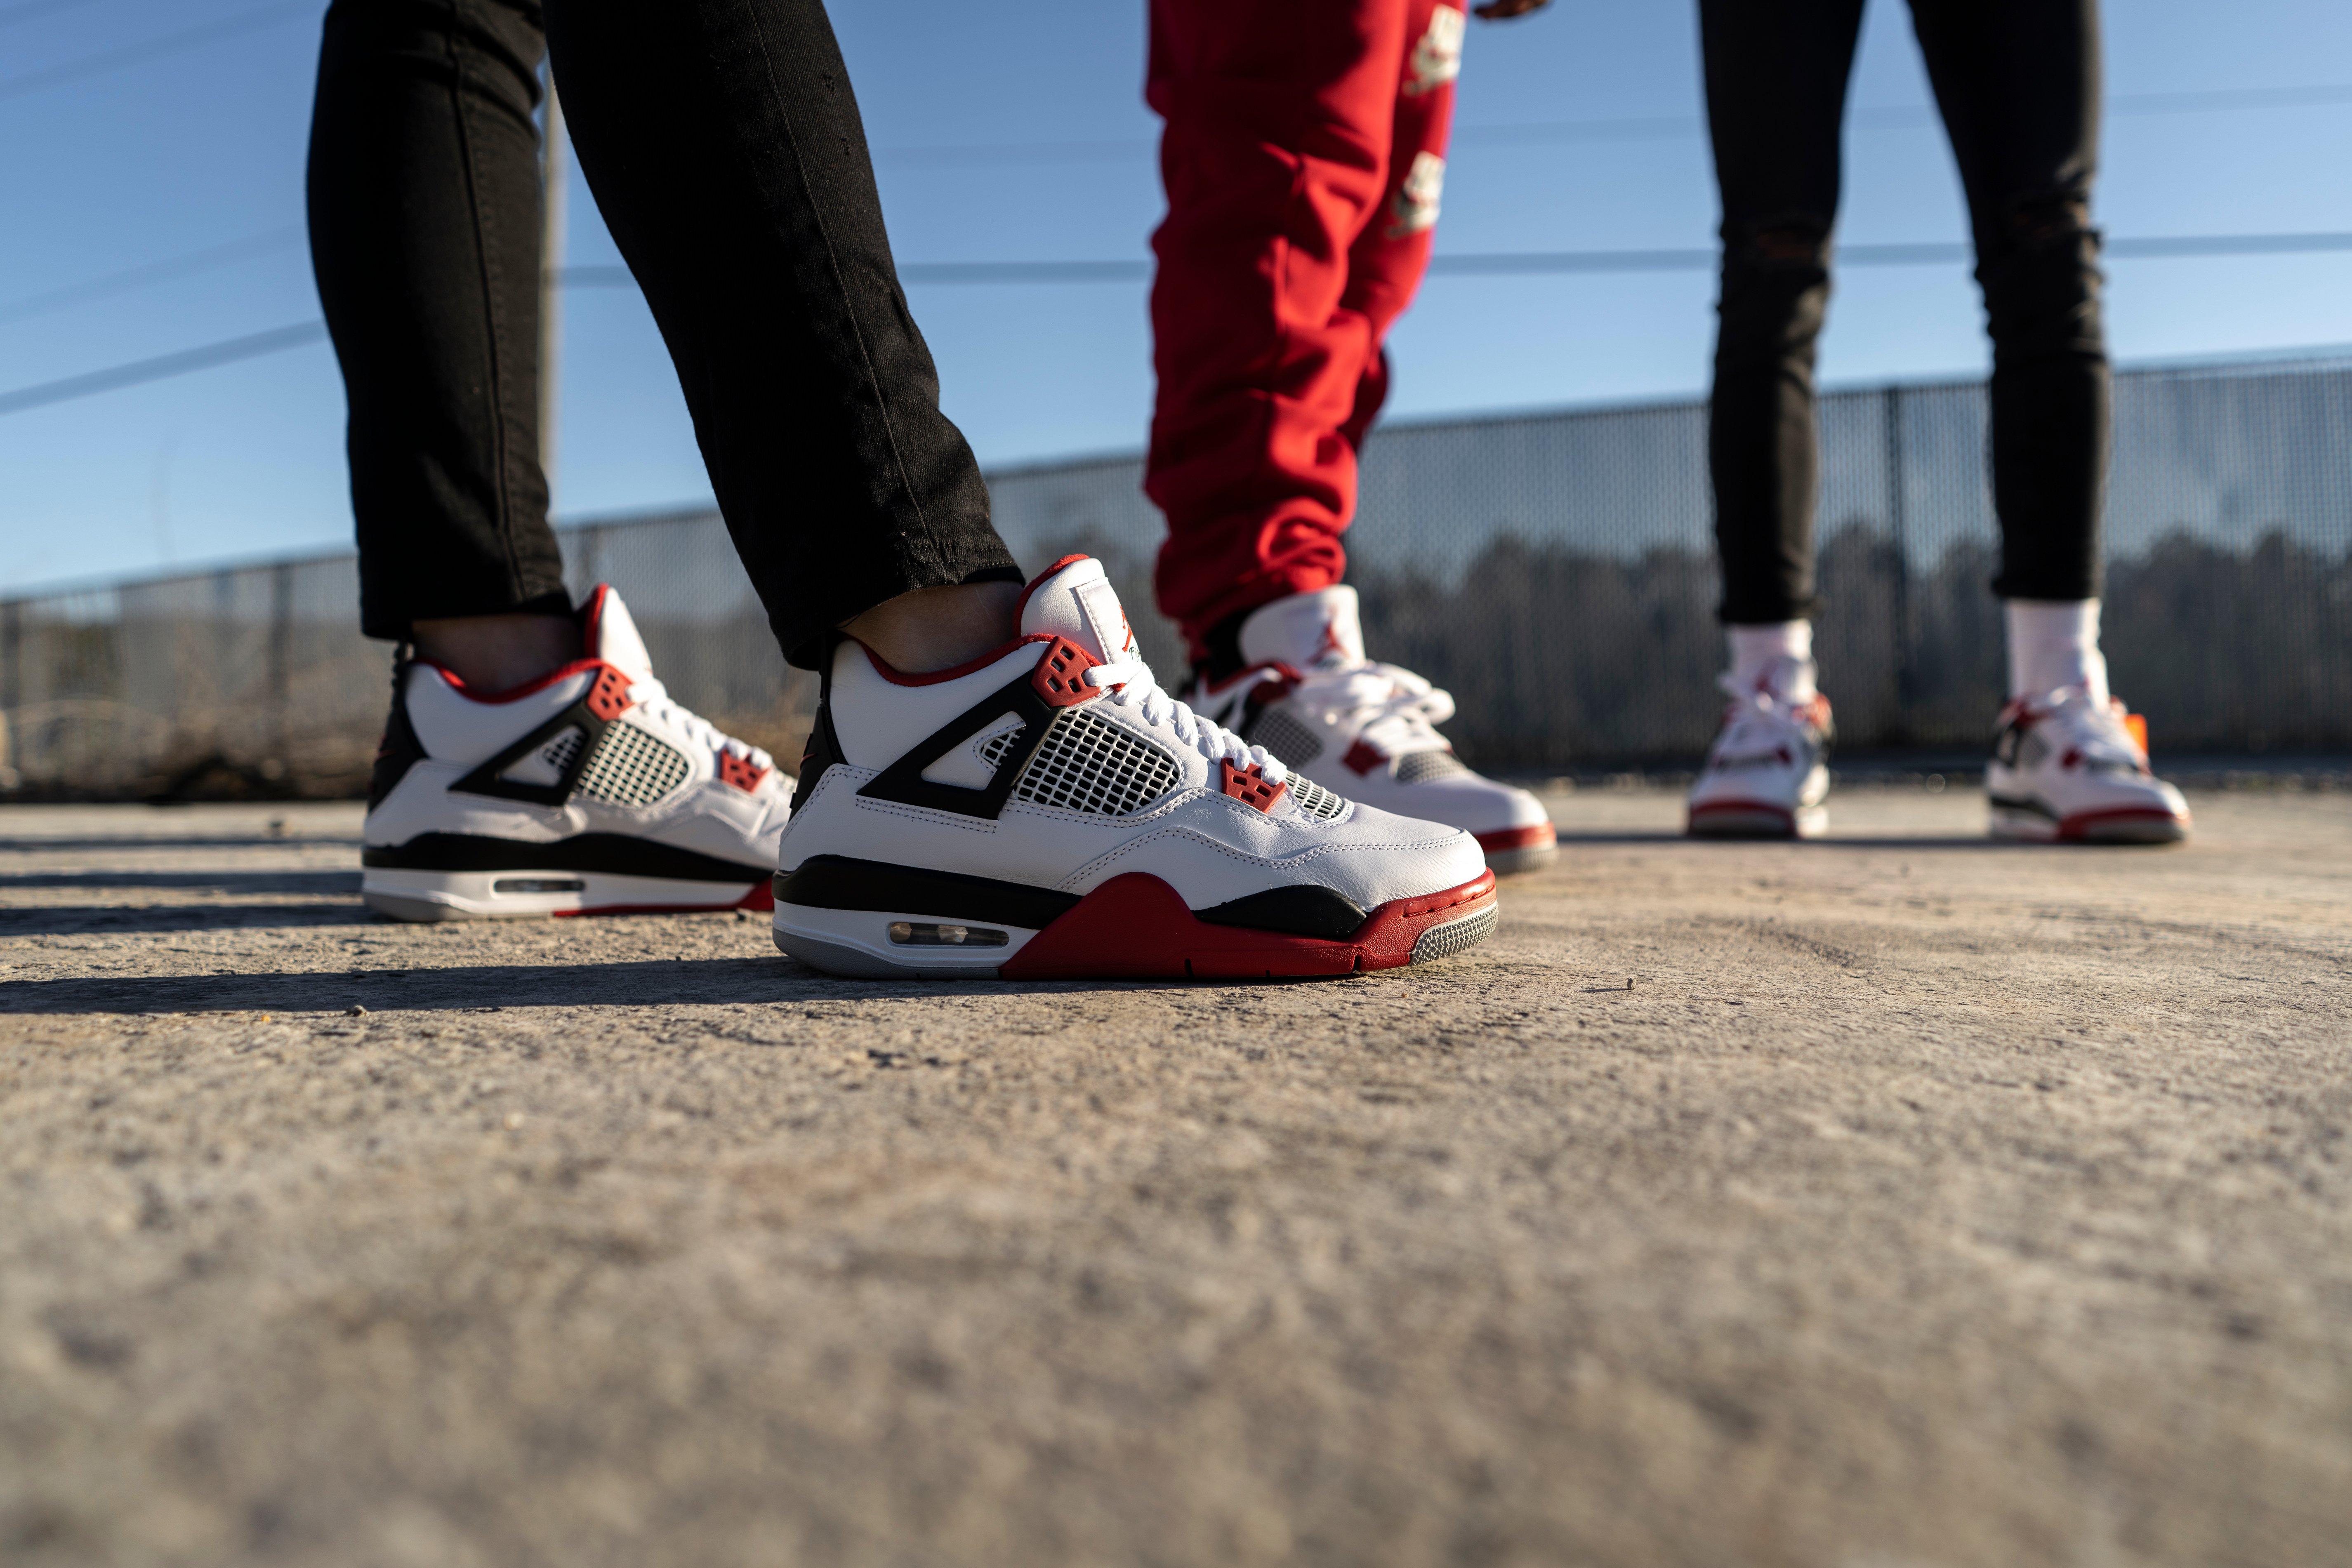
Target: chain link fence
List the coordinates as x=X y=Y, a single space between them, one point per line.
x=1554 y=571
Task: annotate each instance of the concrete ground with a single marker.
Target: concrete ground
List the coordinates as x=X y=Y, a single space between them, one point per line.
x=1894 y=1200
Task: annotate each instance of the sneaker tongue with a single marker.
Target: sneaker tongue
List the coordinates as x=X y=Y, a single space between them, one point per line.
x=1306 y=630
x=610 y=634
x=1072 y=598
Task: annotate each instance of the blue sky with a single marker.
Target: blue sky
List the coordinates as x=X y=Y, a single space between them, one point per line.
x=203 y=147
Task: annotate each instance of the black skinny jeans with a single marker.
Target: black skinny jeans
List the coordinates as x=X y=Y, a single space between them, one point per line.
x=724 y=148
x=2018 y=83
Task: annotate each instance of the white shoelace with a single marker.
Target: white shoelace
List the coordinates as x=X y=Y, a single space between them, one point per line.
x=1757 y=717
x=1131 y=685
x=2084 y=725
x=659 y=703
x=1388 y=705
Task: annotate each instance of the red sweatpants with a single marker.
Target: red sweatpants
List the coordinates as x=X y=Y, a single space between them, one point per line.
x=1303 y=156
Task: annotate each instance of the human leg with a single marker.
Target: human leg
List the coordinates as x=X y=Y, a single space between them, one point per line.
x=1776 y=73
x=2018 y=82
x=425 y=234
x=1276 y=157
x=724 y=146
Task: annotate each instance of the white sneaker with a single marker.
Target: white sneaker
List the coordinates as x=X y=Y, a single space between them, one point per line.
x=1048 y=812
x=1311 y=697
x=2068 y=768
x=1768 y=774
x=588 y=791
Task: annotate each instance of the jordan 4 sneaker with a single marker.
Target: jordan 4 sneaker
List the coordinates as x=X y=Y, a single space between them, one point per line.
x=588 y=791
x=1767 y=776
x=2068 y=768
x=1048 y=812
x=1310 y=696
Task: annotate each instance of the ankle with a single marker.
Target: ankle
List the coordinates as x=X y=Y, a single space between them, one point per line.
x=929 y=628
x=497 y=653
x=1756 y=652
x=2054 y=643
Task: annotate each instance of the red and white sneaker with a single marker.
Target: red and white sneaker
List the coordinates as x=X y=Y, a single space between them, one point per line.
x=1310 y=696
x=2068 y=768
x=588 y=791
x=1767 y=776
x=1048 y=812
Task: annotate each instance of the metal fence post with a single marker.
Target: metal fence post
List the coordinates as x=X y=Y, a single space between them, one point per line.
x=1899 y=532
x=12 y=655
x=281 y=662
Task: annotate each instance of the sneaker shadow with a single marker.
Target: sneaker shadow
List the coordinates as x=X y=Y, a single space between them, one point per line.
x=247 y=882
x=718 y=982
x=161 y=919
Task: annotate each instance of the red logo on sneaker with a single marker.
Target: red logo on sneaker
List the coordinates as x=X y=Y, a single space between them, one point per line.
x=1330 y=643
x=1363 y=756
x=1251 y=787
x=739 y=772
x=609 y=698
x=1058 y=676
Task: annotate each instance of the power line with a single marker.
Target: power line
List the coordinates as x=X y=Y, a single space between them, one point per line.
x=1642 y=128
x=151 y=48
x=1490 y=264
x=34 y=10
x=131 y=279
x=1506 y=264
x=252 y=346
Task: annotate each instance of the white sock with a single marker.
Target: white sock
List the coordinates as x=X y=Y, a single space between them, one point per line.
x=1754 y=648
x=2053 y=644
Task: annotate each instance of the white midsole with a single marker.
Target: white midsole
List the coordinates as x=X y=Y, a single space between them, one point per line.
x=506 y=894
x=843 y=940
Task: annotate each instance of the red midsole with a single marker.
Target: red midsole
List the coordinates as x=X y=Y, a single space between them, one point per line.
x=1136 y=927
x=1537 y=837
x=2074 y=824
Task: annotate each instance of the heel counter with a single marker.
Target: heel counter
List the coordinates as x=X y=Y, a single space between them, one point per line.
x=399 y=751
x=824 y=750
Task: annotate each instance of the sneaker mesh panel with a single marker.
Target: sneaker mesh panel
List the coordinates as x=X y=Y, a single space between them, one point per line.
x=630 y=767
x=558 y=753
x=1313 y=799
x=1091 y=764
x=1419 y=766
x=1001 y=747
x=1286 y=737
x=1444 y=941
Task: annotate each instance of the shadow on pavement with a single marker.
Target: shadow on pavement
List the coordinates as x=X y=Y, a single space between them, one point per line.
x=1835 y=840
x=133 y=843
x=653 y=983
x=67 y=919
x=249 y=882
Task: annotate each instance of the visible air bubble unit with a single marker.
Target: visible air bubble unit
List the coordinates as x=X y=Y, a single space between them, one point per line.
x=1444 y=941
x=630 y=767
x=1316 y=801
x=513 y=885
x=922 y=934
x=1421 y=767
x=1091 y=764
x=1286 y=737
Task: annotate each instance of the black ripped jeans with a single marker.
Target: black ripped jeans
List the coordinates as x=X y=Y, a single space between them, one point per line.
x=725 y=151
x=2018 y=84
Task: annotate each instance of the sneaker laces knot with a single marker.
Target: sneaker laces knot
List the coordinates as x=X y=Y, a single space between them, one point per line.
x=1389 y=705
x=1130 y=683
x=654 y=697
x=2093 y=730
